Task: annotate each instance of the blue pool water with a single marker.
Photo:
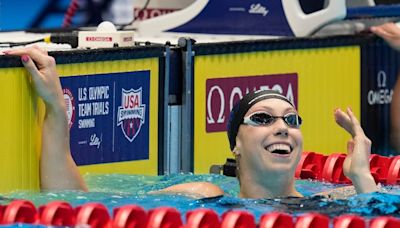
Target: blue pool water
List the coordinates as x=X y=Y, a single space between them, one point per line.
x=116 y=190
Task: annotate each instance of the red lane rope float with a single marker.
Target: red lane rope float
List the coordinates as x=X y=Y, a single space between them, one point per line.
x=385 y=170
x=131 y=216
x=393 y=176
x=57 y=213
x=202 y=217
x=20 y=211
x=276 y=220
x=94 y=214
x=238 y=219
x=2 y=209
x=384 y=222
x=164 y=217
x=333 y=169
x=312 y=220
x=379 y=166
x=310 y=166
x=349 y=221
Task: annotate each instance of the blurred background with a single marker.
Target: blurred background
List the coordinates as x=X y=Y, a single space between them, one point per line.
x=45 y=14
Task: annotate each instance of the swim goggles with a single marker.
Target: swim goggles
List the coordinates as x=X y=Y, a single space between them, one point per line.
x=264 y=119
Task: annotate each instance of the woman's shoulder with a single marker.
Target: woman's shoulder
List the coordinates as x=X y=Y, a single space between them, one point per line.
x=194 y=189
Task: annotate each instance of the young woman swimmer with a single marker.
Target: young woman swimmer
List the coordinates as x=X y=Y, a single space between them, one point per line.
x=266 y=140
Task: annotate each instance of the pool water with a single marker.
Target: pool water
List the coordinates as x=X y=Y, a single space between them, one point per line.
x=115 y=190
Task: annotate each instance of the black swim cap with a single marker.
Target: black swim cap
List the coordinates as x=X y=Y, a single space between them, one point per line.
x=240 y=109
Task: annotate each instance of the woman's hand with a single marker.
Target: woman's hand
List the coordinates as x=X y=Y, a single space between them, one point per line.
x=45 y=79
x=356 y=165
x=390 y=32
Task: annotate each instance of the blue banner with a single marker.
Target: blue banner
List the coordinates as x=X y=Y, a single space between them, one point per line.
x=108 y=116
x=379 y=74
x=241 y=18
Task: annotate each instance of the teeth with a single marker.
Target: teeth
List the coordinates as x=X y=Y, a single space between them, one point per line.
x=274 y=147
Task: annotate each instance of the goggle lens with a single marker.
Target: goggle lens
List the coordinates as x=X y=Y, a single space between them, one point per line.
x=262 y=118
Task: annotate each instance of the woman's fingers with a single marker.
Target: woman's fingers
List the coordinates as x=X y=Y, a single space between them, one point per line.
x=349 y=122
x=384 y=32
x=356 y=127
x=343 y=120
x=42 y=69
x=31 y=67
x=43 y=51
x=388 y=29
x=390 y=32
x=35 y=53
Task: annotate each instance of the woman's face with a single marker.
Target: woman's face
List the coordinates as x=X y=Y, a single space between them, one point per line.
x=273 y=148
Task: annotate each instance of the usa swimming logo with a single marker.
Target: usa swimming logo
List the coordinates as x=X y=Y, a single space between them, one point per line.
x=70 y=106
x=131 y=113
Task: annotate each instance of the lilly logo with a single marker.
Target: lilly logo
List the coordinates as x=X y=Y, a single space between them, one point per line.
x=258 y=9
x=131 y=113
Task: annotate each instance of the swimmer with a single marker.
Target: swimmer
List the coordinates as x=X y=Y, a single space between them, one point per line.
x=390 y=32
x=265 y=138
x=58 y=170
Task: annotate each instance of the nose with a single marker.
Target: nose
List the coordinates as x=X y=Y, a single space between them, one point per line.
x=281 y=128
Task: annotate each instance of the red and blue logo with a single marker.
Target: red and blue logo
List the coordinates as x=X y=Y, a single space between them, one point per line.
x=70 y=106
x=131 y=113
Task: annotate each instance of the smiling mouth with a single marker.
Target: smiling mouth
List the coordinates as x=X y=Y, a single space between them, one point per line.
x=281 y=149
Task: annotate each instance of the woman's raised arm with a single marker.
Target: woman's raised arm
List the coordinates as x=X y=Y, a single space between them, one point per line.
x=58 y=170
